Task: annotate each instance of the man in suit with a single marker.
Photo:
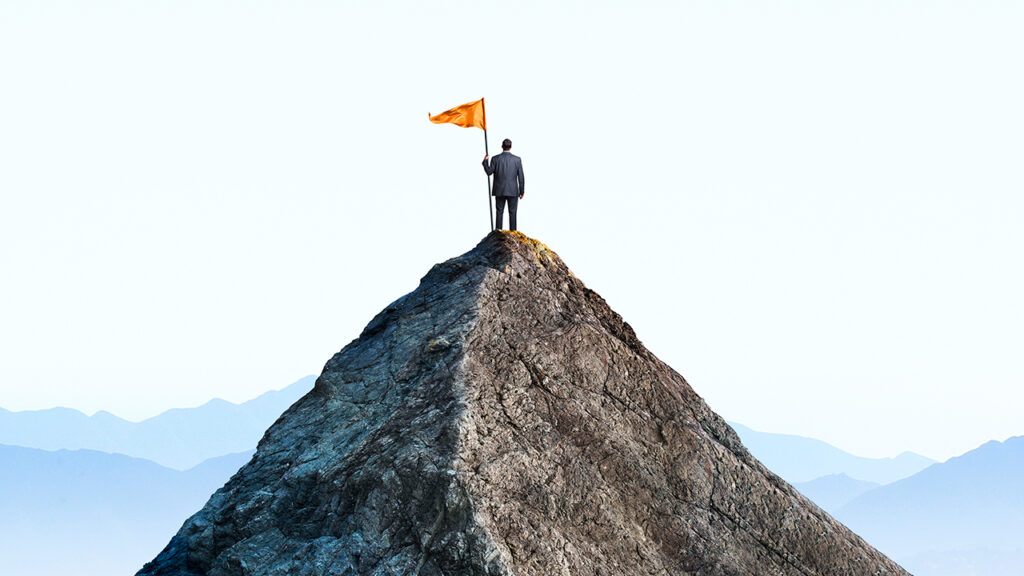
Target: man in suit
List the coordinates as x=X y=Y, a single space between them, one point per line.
x=508 y=182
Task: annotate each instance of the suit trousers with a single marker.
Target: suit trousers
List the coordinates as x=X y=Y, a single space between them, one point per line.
x=513 y=203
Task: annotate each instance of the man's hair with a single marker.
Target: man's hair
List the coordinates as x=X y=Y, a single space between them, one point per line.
x=506 y=144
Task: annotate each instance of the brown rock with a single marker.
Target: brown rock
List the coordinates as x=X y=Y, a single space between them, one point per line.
x=502 y=419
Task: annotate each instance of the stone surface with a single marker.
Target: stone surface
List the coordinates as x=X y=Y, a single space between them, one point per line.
x=502 y=419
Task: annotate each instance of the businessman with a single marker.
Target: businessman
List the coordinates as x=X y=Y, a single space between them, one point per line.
x=507 y=169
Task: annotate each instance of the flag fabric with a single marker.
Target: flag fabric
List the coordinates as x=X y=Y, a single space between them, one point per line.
x=468 y=115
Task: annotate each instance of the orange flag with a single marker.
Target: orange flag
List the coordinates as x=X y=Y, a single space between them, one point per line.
x=468 y=115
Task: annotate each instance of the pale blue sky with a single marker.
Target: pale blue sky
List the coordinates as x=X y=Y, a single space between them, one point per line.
x=812 y=210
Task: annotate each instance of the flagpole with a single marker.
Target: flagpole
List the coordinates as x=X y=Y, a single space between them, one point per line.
x=490 y=207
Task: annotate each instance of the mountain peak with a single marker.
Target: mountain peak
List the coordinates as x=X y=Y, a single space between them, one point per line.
x=507 y=252
x=502 y=419
x=500 y=246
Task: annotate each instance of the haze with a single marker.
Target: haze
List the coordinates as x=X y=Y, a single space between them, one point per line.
x=810 y=210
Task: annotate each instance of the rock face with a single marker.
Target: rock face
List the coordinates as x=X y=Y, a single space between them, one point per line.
x=503 y=420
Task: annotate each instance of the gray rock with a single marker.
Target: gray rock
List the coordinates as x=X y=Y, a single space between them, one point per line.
x=502 y=419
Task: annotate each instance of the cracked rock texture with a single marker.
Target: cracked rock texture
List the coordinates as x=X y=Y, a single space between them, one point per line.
x=501 y=419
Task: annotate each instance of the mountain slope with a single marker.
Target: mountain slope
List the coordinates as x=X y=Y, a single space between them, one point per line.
x=502 y=419
x=799 y=459
x=178 y=438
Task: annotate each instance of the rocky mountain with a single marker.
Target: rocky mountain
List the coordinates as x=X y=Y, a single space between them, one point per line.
x=502 y=419
x=800 y=459
x=180 y=438
x=86 y=512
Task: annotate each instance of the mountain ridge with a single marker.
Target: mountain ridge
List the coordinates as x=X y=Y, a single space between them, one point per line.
x=103 y=513
x=834 y=491
x=801 y=459
x=178 y=438
x=971 y=502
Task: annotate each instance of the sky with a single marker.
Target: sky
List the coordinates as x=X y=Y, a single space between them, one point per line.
x=811 y=210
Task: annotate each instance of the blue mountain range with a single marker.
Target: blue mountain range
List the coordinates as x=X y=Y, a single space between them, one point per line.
x=798 y=459
x=89 y=512
x=969 y=509
x=834 y=491
x=180 y=438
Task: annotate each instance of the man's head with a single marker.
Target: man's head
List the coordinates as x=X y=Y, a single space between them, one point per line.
x=506 y=144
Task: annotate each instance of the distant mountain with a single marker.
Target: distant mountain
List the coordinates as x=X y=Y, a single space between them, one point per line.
x=178 y=438
x=832 y=492
x=971 y=502
x=90 y=513
x=797 y=459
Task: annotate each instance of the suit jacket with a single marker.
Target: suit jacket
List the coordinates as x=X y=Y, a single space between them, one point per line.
x=508 y=174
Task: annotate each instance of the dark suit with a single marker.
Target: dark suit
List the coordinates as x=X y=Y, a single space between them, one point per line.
x=509 y=184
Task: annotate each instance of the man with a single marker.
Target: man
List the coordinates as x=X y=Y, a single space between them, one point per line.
x=508 y=182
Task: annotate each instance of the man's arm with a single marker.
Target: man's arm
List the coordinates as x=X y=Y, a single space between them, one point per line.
x=522 y=181
x=488 y=166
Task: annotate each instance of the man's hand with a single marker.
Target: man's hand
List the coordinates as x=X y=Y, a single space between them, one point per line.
x=521 y=196
x=485 y=158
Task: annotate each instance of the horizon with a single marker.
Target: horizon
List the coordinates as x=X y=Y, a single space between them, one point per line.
x=730 y=421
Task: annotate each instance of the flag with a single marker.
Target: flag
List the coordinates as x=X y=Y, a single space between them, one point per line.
x=468 y=115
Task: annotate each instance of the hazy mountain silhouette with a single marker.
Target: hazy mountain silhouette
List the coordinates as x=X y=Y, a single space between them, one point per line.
x=179 y=438
x=973 y=502
x=798 y=459
x=89 y=512
x=832 y=492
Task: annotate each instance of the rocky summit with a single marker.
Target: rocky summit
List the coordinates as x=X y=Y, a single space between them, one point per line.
x=501 y=419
